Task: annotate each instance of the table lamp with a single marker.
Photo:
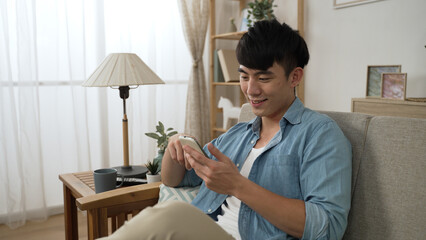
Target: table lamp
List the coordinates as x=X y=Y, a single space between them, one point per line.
x=122 y=70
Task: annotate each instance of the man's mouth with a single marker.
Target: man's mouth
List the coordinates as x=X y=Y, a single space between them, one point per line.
x=255 y=102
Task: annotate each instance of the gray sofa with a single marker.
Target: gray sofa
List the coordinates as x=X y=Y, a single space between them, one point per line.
x=388 y=178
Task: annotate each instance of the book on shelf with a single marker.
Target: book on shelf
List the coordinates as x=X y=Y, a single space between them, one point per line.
x=229 y=64
x=217 y=69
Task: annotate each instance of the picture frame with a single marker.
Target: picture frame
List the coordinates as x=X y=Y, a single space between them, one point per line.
x=349 y=3
x=374 y=78
x=394 y=86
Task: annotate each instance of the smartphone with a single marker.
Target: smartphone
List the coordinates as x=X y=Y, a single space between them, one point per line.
x=190 y=141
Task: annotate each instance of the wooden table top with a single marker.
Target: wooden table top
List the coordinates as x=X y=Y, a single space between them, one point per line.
x=81 y=183
x=87 y=178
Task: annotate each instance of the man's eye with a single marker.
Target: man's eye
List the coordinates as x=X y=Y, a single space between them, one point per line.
x=243 y=77
x=264 y=79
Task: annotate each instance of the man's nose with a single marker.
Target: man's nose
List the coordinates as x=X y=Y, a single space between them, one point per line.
x=253 y=88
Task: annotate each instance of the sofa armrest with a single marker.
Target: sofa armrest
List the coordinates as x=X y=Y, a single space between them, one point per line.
x=126 y=195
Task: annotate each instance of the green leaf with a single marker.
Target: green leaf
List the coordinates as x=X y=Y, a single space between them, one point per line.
x=162 y=139
x=153 y=167
x=172 y=133
x=161 y=136
x=260 y=10
x=153 y=135
x=161 y=125
x=156 y=161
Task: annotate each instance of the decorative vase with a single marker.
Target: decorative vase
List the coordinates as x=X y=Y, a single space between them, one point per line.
x=232 y=27
x=153 y=178
x=159 y=158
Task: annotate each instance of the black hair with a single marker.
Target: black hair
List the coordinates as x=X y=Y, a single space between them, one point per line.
x=269 y=41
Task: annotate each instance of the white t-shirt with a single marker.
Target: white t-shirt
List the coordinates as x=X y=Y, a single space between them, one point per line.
x=229 y=219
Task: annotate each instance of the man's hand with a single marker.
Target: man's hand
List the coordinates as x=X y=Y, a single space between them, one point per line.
x=174 y=164
x=221 y=176
x=176 y=152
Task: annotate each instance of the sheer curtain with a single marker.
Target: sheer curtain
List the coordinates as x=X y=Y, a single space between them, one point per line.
x=195 y=18
x=49 y=124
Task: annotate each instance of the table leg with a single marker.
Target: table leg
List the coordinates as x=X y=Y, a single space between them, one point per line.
x=70 y=215
x=97 y=223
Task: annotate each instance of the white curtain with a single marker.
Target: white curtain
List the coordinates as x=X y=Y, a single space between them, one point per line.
x=49 y=124
x=195 y=18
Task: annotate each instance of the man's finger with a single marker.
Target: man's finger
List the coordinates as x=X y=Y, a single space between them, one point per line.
x=197 y=166
x=187 y=164
x=195 y=155
x=179 y=153
x=215 y=152
x=172 y=151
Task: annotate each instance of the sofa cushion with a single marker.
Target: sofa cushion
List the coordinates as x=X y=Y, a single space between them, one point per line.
x=184 y=194
x=388 y=202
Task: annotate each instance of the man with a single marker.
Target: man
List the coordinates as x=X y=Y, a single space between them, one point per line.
x=287 y=173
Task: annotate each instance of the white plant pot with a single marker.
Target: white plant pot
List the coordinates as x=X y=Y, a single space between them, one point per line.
x=153 y=178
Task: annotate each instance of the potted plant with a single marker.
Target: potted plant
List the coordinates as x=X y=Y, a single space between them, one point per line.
x=162 y=136
x=260 y=10
x=154 y=169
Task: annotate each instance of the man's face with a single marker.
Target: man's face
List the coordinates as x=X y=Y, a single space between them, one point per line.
x=269 y=92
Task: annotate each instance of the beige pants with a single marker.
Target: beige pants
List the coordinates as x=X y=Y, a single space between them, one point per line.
x=169 y=221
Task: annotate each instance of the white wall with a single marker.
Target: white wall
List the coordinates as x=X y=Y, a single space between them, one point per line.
x=342 y=42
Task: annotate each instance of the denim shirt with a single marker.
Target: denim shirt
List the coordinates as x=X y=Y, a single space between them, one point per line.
x=308 y=159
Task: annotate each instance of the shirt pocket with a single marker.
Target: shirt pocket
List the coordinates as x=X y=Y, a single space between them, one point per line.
x=279 y=173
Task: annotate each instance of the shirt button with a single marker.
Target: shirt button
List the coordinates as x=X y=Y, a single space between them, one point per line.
x=252 y=142
x=210 y=210
x=238 y=164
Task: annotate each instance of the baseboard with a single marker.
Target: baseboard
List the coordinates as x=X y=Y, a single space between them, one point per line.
x=32 y=215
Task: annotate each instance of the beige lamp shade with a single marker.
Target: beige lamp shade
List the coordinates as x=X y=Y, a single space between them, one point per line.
x=122 y=69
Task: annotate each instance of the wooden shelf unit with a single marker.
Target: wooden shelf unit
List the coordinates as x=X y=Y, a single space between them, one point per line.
x=389 y=107
x=213 y=37
x=226 y=83
x=229 y=36
x=236 y=36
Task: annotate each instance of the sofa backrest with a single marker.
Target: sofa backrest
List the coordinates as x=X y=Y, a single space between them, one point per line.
x=388 y=175
x=390 y=192
x=246 y=114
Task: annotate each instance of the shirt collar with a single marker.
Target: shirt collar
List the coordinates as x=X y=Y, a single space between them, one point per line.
x=293 y=115
x=295 y=112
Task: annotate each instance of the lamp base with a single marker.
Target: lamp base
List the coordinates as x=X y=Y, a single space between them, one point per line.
x=132 y=171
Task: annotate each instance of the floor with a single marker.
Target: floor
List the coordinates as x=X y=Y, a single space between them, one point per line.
x=51 y=229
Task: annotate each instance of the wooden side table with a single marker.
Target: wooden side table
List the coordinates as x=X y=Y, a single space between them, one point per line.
x=76 y=185
x=118 y=205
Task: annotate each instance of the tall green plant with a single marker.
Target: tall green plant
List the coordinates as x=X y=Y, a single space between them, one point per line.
x=260 y=10
x=161 y=136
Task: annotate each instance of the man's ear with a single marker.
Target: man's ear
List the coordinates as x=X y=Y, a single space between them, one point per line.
x=296 y=76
